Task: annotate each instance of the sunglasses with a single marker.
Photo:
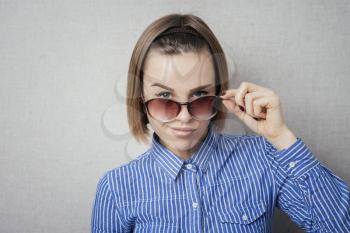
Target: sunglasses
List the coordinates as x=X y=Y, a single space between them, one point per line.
x=165 y=110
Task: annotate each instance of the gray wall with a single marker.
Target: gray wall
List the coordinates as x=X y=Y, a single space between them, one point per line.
x=63 y=67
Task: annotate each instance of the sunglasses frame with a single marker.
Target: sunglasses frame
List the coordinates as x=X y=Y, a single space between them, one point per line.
x=188 y=103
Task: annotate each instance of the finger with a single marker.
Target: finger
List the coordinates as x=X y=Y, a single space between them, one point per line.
x=239 y=97
x=252 y=87
x=272 y=106
x=231 y=105
x=251 y=108
x=248 y=102
x=229 y=93
x=259 y=111
x=268 y=102
x=250 y=121
x=247 y=87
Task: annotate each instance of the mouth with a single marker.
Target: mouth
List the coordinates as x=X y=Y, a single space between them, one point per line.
x=182 y=132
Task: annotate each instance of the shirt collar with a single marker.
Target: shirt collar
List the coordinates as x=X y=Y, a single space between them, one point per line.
x=172 y=164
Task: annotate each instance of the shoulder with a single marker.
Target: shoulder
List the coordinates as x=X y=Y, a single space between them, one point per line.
x=241 y=140
x=127 y=169
x=244 y=154
x=243 y=145
x=124 y=176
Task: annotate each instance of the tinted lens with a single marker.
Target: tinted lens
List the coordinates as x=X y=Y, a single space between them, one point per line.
x=205 y=107
x=163 y=109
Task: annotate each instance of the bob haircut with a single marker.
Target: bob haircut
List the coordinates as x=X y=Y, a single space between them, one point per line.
x=155 y=37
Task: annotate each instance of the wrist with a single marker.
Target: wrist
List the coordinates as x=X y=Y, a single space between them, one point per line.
x=283 y=140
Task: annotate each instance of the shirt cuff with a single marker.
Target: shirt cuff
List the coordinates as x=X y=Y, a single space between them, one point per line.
x=297 y=159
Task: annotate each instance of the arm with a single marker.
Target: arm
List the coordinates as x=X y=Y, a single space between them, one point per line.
x=311 y=194
x=106 y=216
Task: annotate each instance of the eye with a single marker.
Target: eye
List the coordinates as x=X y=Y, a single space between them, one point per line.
x=201 y=92
x=166 y=94
x=163 y=94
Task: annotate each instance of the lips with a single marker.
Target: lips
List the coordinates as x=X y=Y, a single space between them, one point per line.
x=182 y=131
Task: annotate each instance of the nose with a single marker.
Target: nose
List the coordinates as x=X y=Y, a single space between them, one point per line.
x=184 y=115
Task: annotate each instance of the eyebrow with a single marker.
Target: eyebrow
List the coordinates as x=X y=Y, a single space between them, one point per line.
x=171 y=89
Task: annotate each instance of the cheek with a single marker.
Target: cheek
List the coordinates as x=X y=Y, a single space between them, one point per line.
x=154 y=124
x=203 y=123
x=159 y=127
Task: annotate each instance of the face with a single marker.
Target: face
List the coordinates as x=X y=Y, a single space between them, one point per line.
x=175 y=77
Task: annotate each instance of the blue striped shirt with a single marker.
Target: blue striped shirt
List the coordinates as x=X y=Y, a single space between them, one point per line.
x=232 y=183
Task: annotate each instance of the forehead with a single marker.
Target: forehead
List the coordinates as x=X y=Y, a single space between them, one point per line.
x=180 y=71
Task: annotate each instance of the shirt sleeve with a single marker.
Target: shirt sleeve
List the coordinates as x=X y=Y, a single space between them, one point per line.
x=105 y=216
x=312 y=195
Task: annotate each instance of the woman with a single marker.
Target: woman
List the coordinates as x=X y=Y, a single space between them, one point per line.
x=195 y=179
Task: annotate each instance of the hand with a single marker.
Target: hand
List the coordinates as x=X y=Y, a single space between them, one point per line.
x=260 y=109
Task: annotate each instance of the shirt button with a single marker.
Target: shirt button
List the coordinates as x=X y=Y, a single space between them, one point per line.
x=292 y=164
x=245 y=217
x=189 y=166
x=194 y=204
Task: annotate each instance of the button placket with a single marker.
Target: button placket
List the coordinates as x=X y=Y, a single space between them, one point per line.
x=195 y=204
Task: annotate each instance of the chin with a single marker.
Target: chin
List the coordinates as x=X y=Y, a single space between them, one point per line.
x=185 y=143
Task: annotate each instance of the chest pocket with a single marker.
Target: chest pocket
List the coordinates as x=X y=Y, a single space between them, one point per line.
x=158 y=214
x=244 y=214
x=157 y=227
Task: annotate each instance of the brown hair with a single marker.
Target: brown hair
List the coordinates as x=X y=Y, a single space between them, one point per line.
x=157 y=36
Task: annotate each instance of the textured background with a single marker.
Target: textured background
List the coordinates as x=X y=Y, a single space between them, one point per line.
x=63 y=67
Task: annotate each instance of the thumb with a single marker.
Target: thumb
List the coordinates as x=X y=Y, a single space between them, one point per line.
x=231 y=106
x=236 y=109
